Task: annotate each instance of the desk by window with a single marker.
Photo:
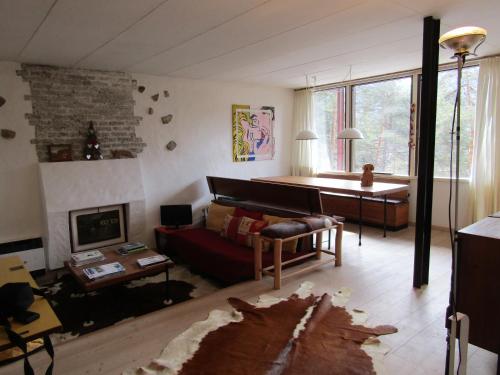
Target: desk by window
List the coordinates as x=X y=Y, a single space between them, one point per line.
x=340 y=186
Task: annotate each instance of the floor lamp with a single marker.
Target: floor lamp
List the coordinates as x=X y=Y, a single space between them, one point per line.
x=461 y=41
x=349 y=134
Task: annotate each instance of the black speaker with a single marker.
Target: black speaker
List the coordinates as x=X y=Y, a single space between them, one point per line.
x=176 y=215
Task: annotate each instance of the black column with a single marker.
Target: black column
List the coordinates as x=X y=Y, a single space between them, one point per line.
x=427 y=134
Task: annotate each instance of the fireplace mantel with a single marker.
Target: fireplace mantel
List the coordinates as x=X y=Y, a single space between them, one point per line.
x=68 y=186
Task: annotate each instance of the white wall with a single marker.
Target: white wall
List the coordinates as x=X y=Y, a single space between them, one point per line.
x=440 y=203
x=20 y=216
x=201 y=127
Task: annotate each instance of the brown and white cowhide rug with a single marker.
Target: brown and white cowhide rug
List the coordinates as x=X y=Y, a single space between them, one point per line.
x=303 y=334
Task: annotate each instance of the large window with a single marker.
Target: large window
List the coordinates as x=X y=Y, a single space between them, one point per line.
x=329 y=115
x=447 y=90
x=381 y=110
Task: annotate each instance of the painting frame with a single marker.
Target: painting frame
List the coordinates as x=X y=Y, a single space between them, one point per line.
x=253 y=132
x=60 y=152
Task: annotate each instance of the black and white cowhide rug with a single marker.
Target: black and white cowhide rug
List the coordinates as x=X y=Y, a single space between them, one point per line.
x=80 y=314
x=303 y=334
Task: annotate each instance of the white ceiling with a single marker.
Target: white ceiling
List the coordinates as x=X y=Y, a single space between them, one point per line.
x=270 y=42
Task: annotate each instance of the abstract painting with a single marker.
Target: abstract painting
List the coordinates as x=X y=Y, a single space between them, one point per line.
x=253 y=137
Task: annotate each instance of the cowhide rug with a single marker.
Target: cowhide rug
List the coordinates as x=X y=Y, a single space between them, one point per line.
x=80 y=315
x=303 y=334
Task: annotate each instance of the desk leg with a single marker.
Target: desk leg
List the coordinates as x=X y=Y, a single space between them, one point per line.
x=168 y=301
x=385 y=215
x=360 y=217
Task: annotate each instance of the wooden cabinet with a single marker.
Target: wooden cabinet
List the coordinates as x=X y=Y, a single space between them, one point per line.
x=478 y=281
x=373 y=210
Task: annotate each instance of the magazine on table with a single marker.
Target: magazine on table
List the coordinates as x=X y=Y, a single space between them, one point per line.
x=103 y=270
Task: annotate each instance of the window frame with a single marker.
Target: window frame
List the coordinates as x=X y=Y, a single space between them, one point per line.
x=416 y=78
x=352 y=110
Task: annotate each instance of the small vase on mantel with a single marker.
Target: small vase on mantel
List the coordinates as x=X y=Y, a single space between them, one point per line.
x=92 y=148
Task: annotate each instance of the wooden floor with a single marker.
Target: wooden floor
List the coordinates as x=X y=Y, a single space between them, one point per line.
x=379 y=273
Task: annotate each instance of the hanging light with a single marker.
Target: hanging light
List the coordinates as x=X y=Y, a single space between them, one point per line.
x=350 y=133
x=306 y=135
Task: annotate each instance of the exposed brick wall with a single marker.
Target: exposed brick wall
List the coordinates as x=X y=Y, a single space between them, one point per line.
x=65 y=100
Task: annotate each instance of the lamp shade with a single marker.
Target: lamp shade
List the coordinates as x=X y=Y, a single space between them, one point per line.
x=306 y=135
x=463 y=39
x=350 y=133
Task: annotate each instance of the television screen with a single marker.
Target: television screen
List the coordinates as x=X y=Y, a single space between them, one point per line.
x=176 y=214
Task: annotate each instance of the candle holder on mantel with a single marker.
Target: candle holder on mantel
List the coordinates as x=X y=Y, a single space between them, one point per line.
x=92 y=148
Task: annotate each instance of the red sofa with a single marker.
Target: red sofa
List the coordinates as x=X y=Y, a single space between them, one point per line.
x=209 y=253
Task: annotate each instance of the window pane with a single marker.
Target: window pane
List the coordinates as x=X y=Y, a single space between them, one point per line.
x=329 y=106
x=381 y=110
x=447 y=89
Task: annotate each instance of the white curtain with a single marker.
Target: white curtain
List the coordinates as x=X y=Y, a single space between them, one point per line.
x=303 y=158
x=485 y=174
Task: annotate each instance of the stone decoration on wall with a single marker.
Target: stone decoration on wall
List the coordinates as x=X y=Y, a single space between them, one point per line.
x=166 y=119
x=8 y=134
x=64 y=100
x=171 y=146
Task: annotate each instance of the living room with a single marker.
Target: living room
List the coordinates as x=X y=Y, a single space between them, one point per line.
x=155 y=86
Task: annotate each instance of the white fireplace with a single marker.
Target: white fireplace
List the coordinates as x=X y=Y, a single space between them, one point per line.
x=97 y=227
x=81 y=185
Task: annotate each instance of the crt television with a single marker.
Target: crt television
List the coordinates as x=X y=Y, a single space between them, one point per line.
x=176 y=215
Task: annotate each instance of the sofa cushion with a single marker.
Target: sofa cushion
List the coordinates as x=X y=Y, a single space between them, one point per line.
x=246 y=228
x=256 y=215
x=317 y=222
x=290 y=246
x=216 y=215
x=230 y=228
x=284 y=229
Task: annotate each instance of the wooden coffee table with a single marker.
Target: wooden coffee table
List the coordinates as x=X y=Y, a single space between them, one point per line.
x=132 y=270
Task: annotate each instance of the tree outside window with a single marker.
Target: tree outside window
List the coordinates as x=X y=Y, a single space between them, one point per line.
x=447 y=90
x=381 y=110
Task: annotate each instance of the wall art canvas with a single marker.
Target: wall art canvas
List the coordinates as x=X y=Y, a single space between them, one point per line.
x=253 y=137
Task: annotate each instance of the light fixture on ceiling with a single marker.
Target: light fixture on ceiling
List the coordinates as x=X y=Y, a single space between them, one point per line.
x=348 y=134
x=463 y=41
x=306 y=135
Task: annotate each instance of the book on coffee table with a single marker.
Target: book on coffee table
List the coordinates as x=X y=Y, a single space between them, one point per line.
x=86 y=257
x=148 y=261
x=132 y=247
x=103 y=270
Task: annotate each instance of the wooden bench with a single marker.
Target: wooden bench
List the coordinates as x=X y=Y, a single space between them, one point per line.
x=373 y=207
x=276 y=269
